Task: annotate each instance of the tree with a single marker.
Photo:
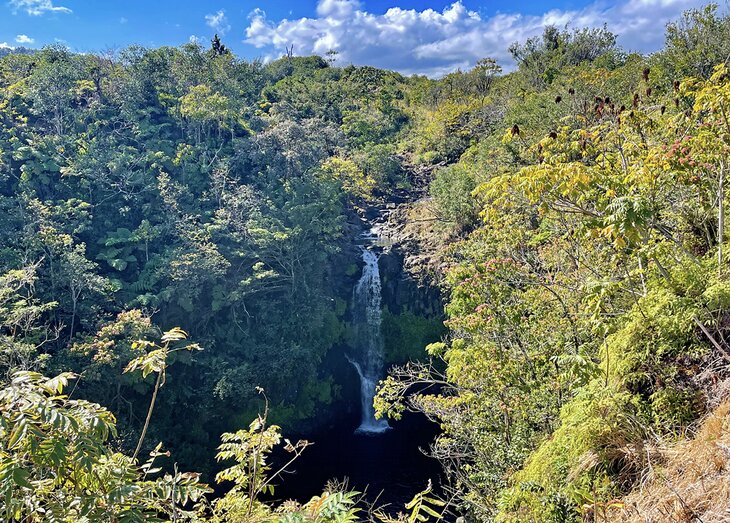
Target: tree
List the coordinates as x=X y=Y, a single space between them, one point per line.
x=51 y=87
x=452 y=189
x=483 y=75
x=21 y=313
x=345 y=172
x=203 y=108
x=79 y=277
x=156 y=361
x=541 y=58
x=252 y=477
x=217 y=47
x=706 y=150
x=695 y=44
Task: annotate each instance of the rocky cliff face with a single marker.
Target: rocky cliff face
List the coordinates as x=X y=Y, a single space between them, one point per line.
x=403 y=291
x=409 y=284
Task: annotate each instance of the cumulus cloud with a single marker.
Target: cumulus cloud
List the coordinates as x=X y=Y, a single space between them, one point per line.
x=435 y=42
x=5 y=45
x=24 y=39
x=218 y=21
x=37 y=7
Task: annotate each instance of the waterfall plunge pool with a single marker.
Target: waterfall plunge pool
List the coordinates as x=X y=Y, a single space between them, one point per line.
x=390 y=467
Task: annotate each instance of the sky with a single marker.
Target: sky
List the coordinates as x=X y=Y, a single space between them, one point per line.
x=431 y=37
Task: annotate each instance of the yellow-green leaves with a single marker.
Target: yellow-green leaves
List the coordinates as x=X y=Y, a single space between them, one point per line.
x=423 y=507
x=714 y=95
x=202 y=104
x=153 y=361
x=156 y=359
x=174 y=334
x=57 y=462
x=346 y=172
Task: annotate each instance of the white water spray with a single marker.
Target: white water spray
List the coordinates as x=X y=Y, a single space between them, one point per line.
x=368 y=356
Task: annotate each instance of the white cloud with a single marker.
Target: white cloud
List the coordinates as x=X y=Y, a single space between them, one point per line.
x=197 y=40
x=337 y=8
x=37 y=7
x=24 y=39
x=5 y=45
x=435 y=42
x=219 y=22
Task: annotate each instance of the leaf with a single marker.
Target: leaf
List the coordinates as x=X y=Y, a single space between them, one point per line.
x=19 y=431
x=20 y=477
x=118 y=264
x=56 y=385
x=154 y=361
x=174 y=334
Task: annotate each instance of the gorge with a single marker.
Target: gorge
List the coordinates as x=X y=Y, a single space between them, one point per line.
x=388 y=461
x=210 y=267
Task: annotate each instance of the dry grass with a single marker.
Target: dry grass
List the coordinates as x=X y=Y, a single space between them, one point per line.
x=694 y=483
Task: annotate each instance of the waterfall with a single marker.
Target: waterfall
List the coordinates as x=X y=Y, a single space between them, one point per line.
x=368 y=340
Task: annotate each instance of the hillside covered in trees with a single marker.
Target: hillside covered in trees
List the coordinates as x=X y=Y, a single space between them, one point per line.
x=570 y=212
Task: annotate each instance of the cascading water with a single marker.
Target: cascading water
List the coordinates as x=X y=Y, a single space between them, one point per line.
x=368 y=340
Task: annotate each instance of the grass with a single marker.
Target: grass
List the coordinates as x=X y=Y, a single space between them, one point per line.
x=694 y=483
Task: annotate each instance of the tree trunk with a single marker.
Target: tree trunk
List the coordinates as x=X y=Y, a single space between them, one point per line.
x=149 y=415
x=720 y=216
x=75 y=300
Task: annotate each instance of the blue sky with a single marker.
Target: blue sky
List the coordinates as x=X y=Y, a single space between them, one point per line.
x=428 y=36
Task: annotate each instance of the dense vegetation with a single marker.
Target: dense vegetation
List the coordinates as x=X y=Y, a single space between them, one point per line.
x=210 y=192
x=582 y=256
x=574 y=222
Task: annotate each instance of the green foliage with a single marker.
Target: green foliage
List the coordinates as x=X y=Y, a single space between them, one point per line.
x=252 y=477
x=352 y=179
x=212 y=191
x=203 y=105
x=20 y=311
x=330 y=507
x=380 y=162
x=603 y=441
x=541 y=58
x=406 y=335
x=57 y=461
x=423 y=506
x=451 y=190
x=582 y=197
x=249 y=448
x=154 y=359
x=585 y=310
x=695 y=44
